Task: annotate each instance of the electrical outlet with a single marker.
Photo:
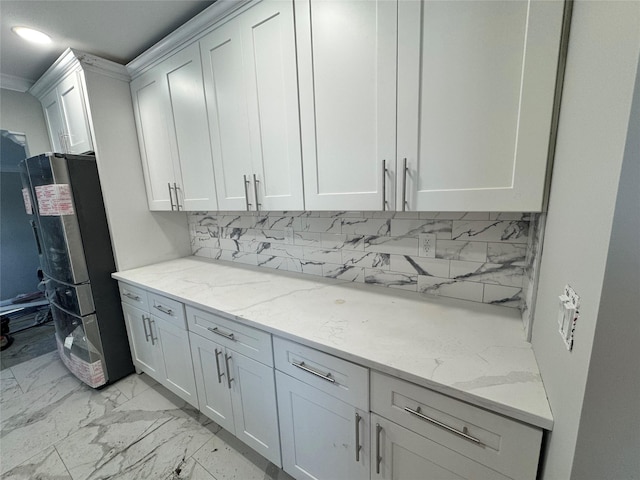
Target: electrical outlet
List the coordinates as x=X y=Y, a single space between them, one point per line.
x=288 y=235
x=427 y=245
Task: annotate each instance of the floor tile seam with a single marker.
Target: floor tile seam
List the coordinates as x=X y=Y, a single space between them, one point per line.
x=202 y=466
x=60 y=457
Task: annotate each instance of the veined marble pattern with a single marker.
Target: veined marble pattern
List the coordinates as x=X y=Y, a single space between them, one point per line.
x=53 y=427
x=473 y=250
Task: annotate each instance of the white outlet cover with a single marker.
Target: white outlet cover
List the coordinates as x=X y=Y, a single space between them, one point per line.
x=288 y=235
x=427 y=245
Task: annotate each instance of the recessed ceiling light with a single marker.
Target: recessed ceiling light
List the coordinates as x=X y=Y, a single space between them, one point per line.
x=32 y=35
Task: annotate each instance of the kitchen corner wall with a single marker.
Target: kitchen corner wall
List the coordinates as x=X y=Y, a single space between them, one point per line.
x=482 y=257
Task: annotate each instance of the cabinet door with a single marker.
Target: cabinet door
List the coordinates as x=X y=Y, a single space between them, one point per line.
x=476 y=84
x=74 y=114
x=319 y=433
x=404 y=455
x=268 y=45
x=146 y=354
x=221 y=52
x=347 y=71
x=176 y=356
x=154 y=131
x=53 y=116
x=255 y=413
x=183 y=86
x=214 y=395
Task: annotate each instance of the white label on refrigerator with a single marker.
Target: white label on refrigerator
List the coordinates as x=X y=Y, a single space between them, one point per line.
x=54 y=200
x=27 y=201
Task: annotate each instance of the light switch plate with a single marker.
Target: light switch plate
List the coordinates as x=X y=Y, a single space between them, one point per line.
x=288 y=235
x=427 y=245
x=568 y=315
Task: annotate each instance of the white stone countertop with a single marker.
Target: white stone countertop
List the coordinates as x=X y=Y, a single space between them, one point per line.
x=470 y=351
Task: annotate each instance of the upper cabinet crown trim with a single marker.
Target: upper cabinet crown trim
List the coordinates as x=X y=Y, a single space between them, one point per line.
x=70 y=60
x=186 y=34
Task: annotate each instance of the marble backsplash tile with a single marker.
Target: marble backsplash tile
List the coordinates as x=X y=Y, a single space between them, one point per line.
x=479 y=256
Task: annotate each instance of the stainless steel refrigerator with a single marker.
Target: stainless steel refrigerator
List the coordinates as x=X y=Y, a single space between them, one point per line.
x=62 y=193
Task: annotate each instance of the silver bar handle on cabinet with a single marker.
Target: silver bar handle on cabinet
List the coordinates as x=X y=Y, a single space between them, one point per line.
x=246 y=192
x=226 y=362
x=144 y=325
x=173 y=207
x=131 y=296
x=255 y=192
x=384 y=185
x=165 y=310
x=324 y=376
x=378 y=457
x=175 y=189
x=221 y=333
x=464 y=433
x=220 y=374
x=358 y=446
x=151 y=331
x=404 y=184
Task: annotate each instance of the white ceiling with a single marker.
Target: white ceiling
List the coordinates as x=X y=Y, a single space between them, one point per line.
x=118 y=30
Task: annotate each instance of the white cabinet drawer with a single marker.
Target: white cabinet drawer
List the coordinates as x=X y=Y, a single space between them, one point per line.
x=341 y=379
x=167 y=309
x=505 y=445
x=134 y=296
x=248 y=341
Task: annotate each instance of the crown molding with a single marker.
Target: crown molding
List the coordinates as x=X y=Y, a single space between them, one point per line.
x=11 y=82
x=185 y=34
x=72 y=60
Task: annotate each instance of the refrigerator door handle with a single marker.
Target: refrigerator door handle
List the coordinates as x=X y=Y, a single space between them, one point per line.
x=35 y=234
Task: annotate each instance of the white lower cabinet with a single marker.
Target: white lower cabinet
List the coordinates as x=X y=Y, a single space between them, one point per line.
x=322 y=437
x=323 y=406
x=147 y=355
x=399 y=454
x=319 y=416
x=159 y=346
x=235 y=391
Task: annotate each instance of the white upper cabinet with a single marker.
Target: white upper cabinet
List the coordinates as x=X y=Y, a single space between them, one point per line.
x=252 y=98
x=66 y=116
x=228 y=121
x=476 y=83
x=171 y=118
x=347 y=76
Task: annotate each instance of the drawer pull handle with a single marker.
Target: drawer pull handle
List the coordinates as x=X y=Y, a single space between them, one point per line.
x=226 y=362
x=462 y=433
x=358 y=446
x=220 y=374
x=324 y=376
x=378 y=457
x=221 y=333
x=132 y=296
x=165 y=310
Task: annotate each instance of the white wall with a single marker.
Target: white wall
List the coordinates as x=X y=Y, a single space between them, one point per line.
x=21 y=112
x=609 y=435
x=601 y=67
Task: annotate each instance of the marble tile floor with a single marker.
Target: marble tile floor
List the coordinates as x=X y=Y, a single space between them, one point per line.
x=52 y=426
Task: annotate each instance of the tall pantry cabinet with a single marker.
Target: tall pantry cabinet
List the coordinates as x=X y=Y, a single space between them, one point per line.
x=92 y=95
